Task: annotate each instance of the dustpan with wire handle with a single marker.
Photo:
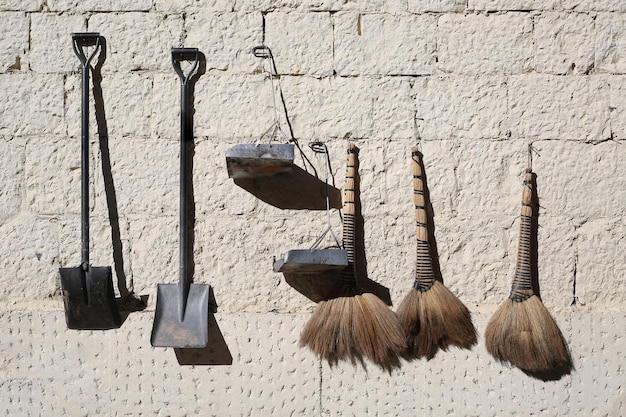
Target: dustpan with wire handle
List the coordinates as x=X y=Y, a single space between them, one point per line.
x=262 y=159
x=315 y=272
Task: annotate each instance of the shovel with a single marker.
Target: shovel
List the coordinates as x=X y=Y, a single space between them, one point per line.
x=87 y=290
x=181 y=319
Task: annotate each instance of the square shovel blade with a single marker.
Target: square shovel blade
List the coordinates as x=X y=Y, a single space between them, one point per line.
x=89 y=298
x=168 y=330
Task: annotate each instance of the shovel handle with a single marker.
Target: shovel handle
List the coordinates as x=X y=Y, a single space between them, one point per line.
x=79 y=42
x=186 y=137
x=521 y=288
x=424 y=270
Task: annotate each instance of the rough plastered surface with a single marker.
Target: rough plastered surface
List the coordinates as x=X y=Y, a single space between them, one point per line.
x=477 y=81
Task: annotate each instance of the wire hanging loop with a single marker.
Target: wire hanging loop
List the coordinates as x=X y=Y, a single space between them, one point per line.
x=321 y=148
x=531 y=150
x=275 y=128
x=417 y=137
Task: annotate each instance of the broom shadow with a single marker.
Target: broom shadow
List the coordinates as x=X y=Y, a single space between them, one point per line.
x=128 y=301
x=362 y=279
x=567 y=368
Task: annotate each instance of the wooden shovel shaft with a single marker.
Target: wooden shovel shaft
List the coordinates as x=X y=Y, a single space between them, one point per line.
x=424 y=270
x=521 y=288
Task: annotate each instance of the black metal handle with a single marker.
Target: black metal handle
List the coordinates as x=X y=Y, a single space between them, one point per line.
x=186 y=137
x=79 y=42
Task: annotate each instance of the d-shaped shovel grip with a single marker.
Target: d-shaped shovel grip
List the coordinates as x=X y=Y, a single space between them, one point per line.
x=185 y=54
x=82 y=40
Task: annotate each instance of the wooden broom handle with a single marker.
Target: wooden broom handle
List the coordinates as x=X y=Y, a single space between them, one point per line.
x=521 y=288
x=424 y=270
x=349 y=223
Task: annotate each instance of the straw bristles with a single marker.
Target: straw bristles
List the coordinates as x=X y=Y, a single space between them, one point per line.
x=524 y=334
x=352 y=328
x=434 y=319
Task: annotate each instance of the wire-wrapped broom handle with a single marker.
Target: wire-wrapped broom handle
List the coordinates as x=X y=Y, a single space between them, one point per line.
x=349 y=223
x=424 y=270
x=521 y=288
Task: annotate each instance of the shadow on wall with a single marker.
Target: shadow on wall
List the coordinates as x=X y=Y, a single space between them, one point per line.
x=128 y=301
x=568 y=367
x=216 y=351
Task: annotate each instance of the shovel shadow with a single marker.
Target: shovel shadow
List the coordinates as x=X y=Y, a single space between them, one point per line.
x=128 y=301
x=216 y=351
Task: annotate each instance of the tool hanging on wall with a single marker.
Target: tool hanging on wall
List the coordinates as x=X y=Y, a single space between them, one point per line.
x=522 y=332
x=88 y=294
x=266 y=168
x=353 y=325
x=265 y=159
x=182 y=309
x=314 y=272
x=431 y=315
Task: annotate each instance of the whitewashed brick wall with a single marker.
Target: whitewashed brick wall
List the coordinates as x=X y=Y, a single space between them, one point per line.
x=483 y=78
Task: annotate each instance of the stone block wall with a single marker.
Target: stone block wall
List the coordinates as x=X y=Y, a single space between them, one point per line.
x=477 y=81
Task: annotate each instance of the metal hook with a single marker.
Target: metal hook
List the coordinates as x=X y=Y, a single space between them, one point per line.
x=416 y=133
x=264 y=52
x=531 y=149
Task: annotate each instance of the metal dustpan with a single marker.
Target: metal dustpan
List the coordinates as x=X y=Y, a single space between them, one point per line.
x=315 y=272
x=264 y=159
x=312 y=260
x=88 y=295
x=259 y=160
x=181 y=319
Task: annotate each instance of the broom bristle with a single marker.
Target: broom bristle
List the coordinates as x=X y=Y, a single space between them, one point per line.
x=435 y=319
x=355 y=327
x=524 y=334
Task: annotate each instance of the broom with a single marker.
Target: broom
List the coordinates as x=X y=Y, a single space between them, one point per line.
x=522 y=332
x=354 y=324
x=431 y=316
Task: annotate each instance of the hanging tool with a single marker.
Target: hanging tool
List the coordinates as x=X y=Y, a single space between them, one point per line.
x=431 y=315
x=522 y=332
x=88 y=293
x=182 y=310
